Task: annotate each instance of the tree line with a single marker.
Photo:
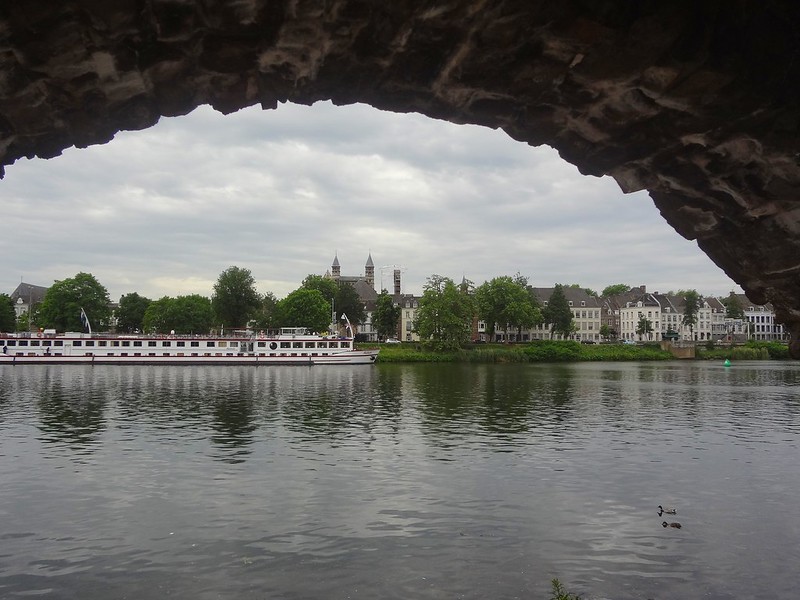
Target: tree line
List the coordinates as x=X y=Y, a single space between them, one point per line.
x=443 y=320
x=234 y=304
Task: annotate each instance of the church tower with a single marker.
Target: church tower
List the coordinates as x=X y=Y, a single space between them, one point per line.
x=369 y=271
x=336 y=272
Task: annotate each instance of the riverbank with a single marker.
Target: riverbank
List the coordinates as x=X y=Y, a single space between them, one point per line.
x=569 y=351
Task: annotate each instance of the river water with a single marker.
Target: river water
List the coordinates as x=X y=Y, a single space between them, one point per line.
x=400 y=481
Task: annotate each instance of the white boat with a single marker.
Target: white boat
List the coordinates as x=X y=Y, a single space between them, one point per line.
x=292 y=346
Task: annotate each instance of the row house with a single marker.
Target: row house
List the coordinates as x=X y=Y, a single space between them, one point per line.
x=586 y=315
x=666 y=312
x=409 y=304
x=761 y=321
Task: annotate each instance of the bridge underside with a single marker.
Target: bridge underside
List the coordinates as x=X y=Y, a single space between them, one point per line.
x=695 y=102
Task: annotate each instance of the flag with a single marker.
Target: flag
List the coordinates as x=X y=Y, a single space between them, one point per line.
x=85 y=320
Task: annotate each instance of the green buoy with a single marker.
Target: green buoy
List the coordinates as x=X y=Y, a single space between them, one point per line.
x=727 y=362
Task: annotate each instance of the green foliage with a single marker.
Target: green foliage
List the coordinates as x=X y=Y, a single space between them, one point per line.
x=692 y=302
x=348 y=303
x=623 y=352
x=24 y=322
x=266 y=316
x=304 y=308
x=644 y=327
x=444 y=318
x=559 y=593
x=557 y=313
x=184 y=314
x=130 y=313
x=411 y=354
x=536 y=351
x=774 y=350
x=8 y=317
x=235 y=299
x=505 y=302
x=61 y=307
x=386 y=317
x=615 y=289
x=733 y=308
x=605 y=331
x=324 y=285
x=553 y=351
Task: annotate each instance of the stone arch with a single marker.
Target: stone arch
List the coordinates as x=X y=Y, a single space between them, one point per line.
x=695 y=102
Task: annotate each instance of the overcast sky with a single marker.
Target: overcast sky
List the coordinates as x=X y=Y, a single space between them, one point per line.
x=164 y=211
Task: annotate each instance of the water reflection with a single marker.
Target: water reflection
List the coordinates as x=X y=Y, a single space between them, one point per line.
x=71 y=408
x=400 y=481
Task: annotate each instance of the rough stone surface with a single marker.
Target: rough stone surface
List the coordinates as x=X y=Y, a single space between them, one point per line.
x=696 y=102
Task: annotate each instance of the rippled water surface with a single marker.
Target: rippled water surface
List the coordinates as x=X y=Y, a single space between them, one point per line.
x=400 y=481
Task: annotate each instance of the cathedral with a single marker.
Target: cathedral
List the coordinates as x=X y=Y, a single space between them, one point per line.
x=363 y=284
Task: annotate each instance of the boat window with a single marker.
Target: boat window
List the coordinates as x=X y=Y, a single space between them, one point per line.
x=333 y=345
x=210 y=344
x=223 y=344
x=297 y=344
x=137 y=344
x=59 y=342
x=102 y=343
x=309 y=344
x=12 y=342
x=90 y=342
x=77 y=343
x=180 y=344
x=234 y=344
x=165 y=344
x=194 y=344
x=115 y=343
x=34 y=342
x=126 y=343
x=151 y=344
x=285 y=345
x=322 y=345
x=262 y=344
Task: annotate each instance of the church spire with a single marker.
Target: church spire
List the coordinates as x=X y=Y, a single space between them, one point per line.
x=369 y=271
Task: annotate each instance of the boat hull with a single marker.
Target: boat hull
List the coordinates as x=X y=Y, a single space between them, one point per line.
x=356 y=357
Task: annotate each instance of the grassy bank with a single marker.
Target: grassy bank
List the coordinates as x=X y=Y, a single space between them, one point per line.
x=750 y=351
x=537 y=351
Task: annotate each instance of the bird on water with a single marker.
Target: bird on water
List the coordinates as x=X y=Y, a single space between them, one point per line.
x=666 y=511
x=675 y=525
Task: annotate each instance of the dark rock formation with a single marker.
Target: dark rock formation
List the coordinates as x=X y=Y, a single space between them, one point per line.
x=695 y=101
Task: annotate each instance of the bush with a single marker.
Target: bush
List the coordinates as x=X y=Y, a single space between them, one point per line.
x=553 y=351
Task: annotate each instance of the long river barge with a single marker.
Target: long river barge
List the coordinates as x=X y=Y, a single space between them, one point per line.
x=291 y=346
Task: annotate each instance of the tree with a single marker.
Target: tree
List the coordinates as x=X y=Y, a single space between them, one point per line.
x=615 y=289
x=691 y=307
x=304 y=308
x=62 y=304
x=644 y=327
x=347 y=302
x=605 y=331
x=8 y=317
x=183 y=315
x=266 y=316
x=733 y=308
x=235 y=298
x=506 y=302
x=557 y=313
x=386 y=317
x=444 y=317
x=130 y=313
x=324 y=285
